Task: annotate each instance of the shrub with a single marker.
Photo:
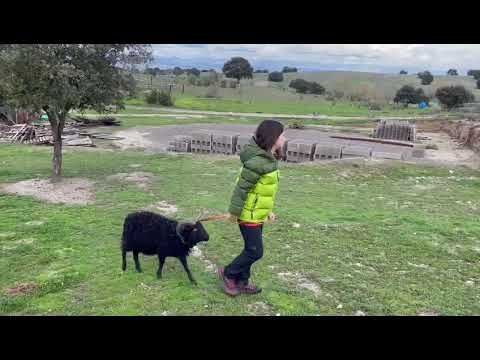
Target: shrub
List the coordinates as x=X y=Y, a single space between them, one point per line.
x=409 y=95
x=193 y=71
x=316 y=88
x=453 y=96
x=426 y=77
x=403 y=72
x=474 y=73
x=374 y=106
x=302 y=86
x=296 y=124
x=275 y=76
x=452 y=72
x=177 y=71
x=478 y=84
x=159 y=98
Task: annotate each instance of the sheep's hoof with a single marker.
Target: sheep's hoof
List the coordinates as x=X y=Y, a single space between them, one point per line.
x=139 y=270
x=194 y=283
x=159 y=276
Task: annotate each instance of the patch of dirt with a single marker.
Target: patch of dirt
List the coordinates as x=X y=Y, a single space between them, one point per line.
x=34 y=223
x=300 y=281
x=428 y=313
x=68 y=190
x=141 y=179
x=260 y=308
x=132 y=139
x=135 y=165
x=449 y=150
x=210 y=266
x=15 y=244
x=21 y=289
x=163 y=207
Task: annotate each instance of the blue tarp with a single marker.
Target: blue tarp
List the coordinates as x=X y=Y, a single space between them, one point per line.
x=423 y=105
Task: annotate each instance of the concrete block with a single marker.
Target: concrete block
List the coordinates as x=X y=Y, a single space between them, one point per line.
x=300 y=150
x=224 y=143
x=356 y=151
x=181 y=143
x=327 y=152
x=202 y=142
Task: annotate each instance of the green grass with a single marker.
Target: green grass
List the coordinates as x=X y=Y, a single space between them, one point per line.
x=383 y=239
x=297 y=107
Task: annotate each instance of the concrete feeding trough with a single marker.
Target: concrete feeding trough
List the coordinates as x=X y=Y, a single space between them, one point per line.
x=224 y=143
x=396 y=130
x=356 y=151
x=300 y=150
x=327 y=152
x=201 y=142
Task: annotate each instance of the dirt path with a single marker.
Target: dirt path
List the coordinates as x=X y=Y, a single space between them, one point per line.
x=268 y=115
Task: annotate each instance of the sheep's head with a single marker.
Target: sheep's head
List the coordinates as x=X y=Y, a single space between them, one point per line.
x=193 y=233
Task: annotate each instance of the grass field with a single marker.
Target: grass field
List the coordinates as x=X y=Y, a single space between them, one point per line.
x=378 y=86
x=382 y=239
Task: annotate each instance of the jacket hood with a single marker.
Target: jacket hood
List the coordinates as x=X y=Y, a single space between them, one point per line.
x=252 y=149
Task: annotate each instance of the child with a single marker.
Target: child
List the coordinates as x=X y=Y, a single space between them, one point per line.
x=252 y=203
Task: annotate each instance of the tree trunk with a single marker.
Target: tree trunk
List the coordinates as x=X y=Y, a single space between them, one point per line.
x=58 y=122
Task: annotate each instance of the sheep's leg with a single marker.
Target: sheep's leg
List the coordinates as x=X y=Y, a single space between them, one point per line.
x=161 y=261
x=137 y=263
x=183 y=260
x=124 y=260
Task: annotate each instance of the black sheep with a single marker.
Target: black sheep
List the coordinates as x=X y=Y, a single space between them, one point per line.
x=153 y=234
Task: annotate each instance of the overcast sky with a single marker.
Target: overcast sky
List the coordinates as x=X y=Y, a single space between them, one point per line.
x=386 y=58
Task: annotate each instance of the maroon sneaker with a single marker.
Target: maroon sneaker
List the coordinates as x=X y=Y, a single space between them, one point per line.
x=229 y=285
x=249 y=289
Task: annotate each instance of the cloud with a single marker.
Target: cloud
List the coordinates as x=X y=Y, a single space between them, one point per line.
x=361 y=57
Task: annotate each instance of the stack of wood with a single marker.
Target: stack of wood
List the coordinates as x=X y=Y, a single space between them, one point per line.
x=38 y=134
x=105 y=121
x=21 y=133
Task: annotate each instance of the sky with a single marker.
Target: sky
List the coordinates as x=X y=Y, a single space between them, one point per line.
x=379 y=58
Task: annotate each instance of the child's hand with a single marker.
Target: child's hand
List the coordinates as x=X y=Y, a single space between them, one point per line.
x=232 y=218
x=272 y=217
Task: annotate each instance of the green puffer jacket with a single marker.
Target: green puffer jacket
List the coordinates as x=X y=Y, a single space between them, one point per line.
x=256 y=186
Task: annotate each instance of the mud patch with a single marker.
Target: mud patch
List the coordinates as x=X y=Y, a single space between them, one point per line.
x=68 y=191
x=21 y=289
x=141 y=179
x=163 y=207
x=300 y=281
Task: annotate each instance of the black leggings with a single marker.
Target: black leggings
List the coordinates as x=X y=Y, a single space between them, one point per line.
x=239 y=268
